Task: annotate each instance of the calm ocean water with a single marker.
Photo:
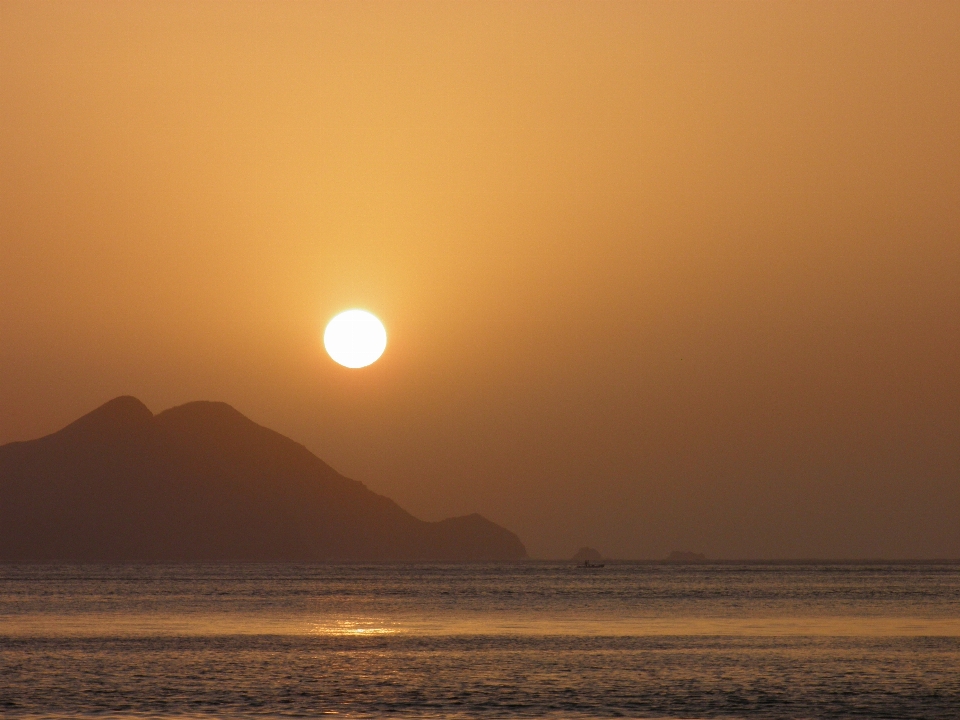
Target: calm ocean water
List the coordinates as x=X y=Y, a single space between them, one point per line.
x=526 y=640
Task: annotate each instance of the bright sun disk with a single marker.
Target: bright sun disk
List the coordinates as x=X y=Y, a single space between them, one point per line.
x=355 y=338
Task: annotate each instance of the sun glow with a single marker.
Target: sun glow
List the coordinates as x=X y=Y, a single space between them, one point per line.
x=355 y=338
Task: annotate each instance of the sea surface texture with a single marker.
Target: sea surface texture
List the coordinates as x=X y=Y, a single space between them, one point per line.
x=524 y=640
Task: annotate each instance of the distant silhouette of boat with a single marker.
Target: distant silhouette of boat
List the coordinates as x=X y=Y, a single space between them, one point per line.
x=588 y=557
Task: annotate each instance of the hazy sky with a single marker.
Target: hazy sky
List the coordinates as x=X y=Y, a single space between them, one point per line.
x=655 y=276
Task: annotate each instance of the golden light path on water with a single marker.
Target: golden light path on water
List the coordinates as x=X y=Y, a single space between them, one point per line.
x=493 y=624
x=371 y=640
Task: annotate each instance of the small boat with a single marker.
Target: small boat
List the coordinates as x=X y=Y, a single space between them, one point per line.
x=588 y=564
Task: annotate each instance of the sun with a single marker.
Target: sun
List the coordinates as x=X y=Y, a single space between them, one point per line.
x=355 y=338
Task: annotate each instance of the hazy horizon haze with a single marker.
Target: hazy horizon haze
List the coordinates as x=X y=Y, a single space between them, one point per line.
x=655 y=276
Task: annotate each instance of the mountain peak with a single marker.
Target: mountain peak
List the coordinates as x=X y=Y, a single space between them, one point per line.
x=117 y=416
x=207 y=418
x=205 y=409
x=123 y=405
x=203 y=483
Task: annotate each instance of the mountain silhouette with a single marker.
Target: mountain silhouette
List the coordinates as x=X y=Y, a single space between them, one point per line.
x=202 y=483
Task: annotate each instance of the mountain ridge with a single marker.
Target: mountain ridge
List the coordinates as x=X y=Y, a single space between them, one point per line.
x=201 y=482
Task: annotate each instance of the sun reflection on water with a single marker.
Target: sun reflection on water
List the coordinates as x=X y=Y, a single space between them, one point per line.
x=357 y=626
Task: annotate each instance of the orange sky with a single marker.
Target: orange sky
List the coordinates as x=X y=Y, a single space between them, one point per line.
x=656 y=276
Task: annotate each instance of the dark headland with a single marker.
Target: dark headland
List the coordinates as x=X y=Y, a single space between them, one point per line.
x=202 y=483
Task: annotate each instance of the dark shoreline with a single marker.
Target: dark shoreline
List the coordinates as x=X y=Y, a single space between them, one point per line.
x=812 y=562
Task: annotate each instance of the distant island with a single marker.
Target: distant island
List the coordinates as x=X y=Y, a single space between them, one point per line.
x=202 y=483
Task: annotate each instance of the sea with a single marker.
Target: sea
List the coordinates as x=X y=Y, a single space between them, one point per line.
x=533 y=639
